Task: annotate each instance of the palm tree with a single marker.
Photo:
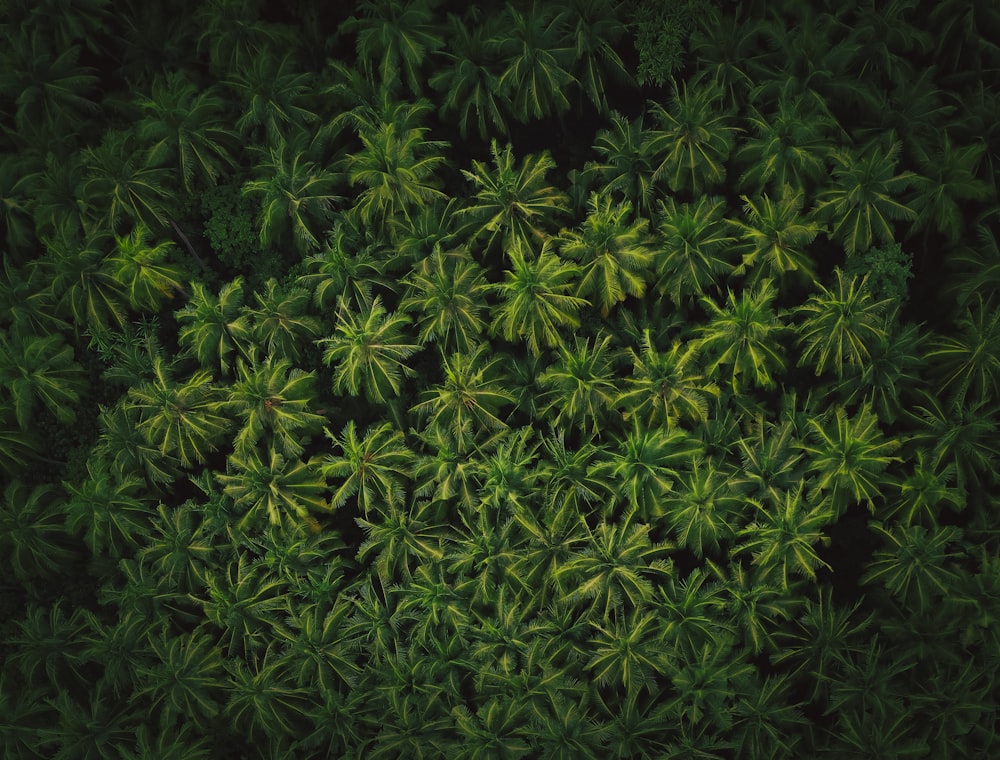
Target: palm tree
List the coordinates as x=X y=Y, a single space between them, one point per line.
x=271 y=399
x=643 y=466
x=775 y=238
x=186 y=680
x=233 y=36
x=959 y=432
x=565 y=729
x=320 y=652
x=124 y=449
x=744 y=336
x=861 y=202
x=125 y=185
x=179 y=548
x=848 y=455
x=696 y=247
x=752 y=607
x=183 y=419
x=36 y=371
x=702 y=508
x=446 y=293
x=690 y=612
x=400 y=537
x=57 y=203
x=536 y=303
x=468 y=402
x=215 y=328
x=580 y=385
x=917 y=565
x=374 y=468
x=705 y=684
x=770 y=462
x=947 y=182
x=75 y=273
x=786 y=538
x=627 y=651
x=296 y=197
x=665 y=387
x=282 y=490
x=571 y=476
x=925 y=492
x=33 y=539
x=143 y=271
x=694 y=139
x=263 y=697
x=967 y=360
x=788 y=148
x=88 y=728
x=594 y=27
x=765 y=718
x=626 y=164
x=185 y=127
x=468 y=79
x=281 y=326
x=615 y=568
x=21 y=192
x=273 y=96
x=49 y=88
x=369 y=348
x=245 y=603
x=25 y=309
x=511 y=204
x=551 y=536
x=351 y=262
x=396 y=167
x=496 y=730
x=111 y=512
x=536 y=61
x=842 y=326
x=614 y=254
x=394 y=38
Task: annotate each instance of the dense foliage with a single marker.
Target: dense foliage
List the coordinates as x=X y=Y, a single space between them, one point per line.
x=560 y=379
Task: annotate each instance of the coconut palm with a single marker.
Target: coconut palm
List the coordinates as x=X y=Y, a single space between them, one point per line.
x=628 y=652
x=281 y=326
x=179 y=548
x=847 y=455
x=186 y=679
x=705 y=684
x=613 y=253
x=690 y=612
x=182 y=419
x=126 y=450
x=271 y=400
x=966 y=361
x=232 y=35
x=185 y=126
x=860 y=204
x=468 y=402
x=57 y=203
x=468 y=78
x=350 y=263
x=701 y=510
x=39 y=371
x=397 y=169
x=143 y=269
x=446 y=293
x=924 y=492
x=775 y=238
x=370 y=349
x=579 y=387
x=33 y=539
x=536 y=304
x=268 y=486
x=536 y=61
x=696 y=248
x=296 y=197
x=644 y=465
x=512 y=204
x=320 y=653
x=842 y=326
x=785 y=538
x=215 y=329
x=593 y=27
x=75 y=273
x=400 y=537
x=744 y=336
x=571 y=476
x=25 y=310
x=947 y=183
x=771 y=463
x=374 y=468
x=495 y=730
x=665 y=387
x=273 y=95
x=788 y=148
x=693 y=140
x=394 y=38
x=626 y=164
x=615 y=569
x=916 y=565
x=263 y=697
x=751 y=607
x=110 y=511
x=124 y=186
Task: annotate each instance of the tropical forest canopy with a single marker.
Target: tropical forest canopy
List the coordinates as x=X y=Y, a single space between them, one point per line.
x=564 y=379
